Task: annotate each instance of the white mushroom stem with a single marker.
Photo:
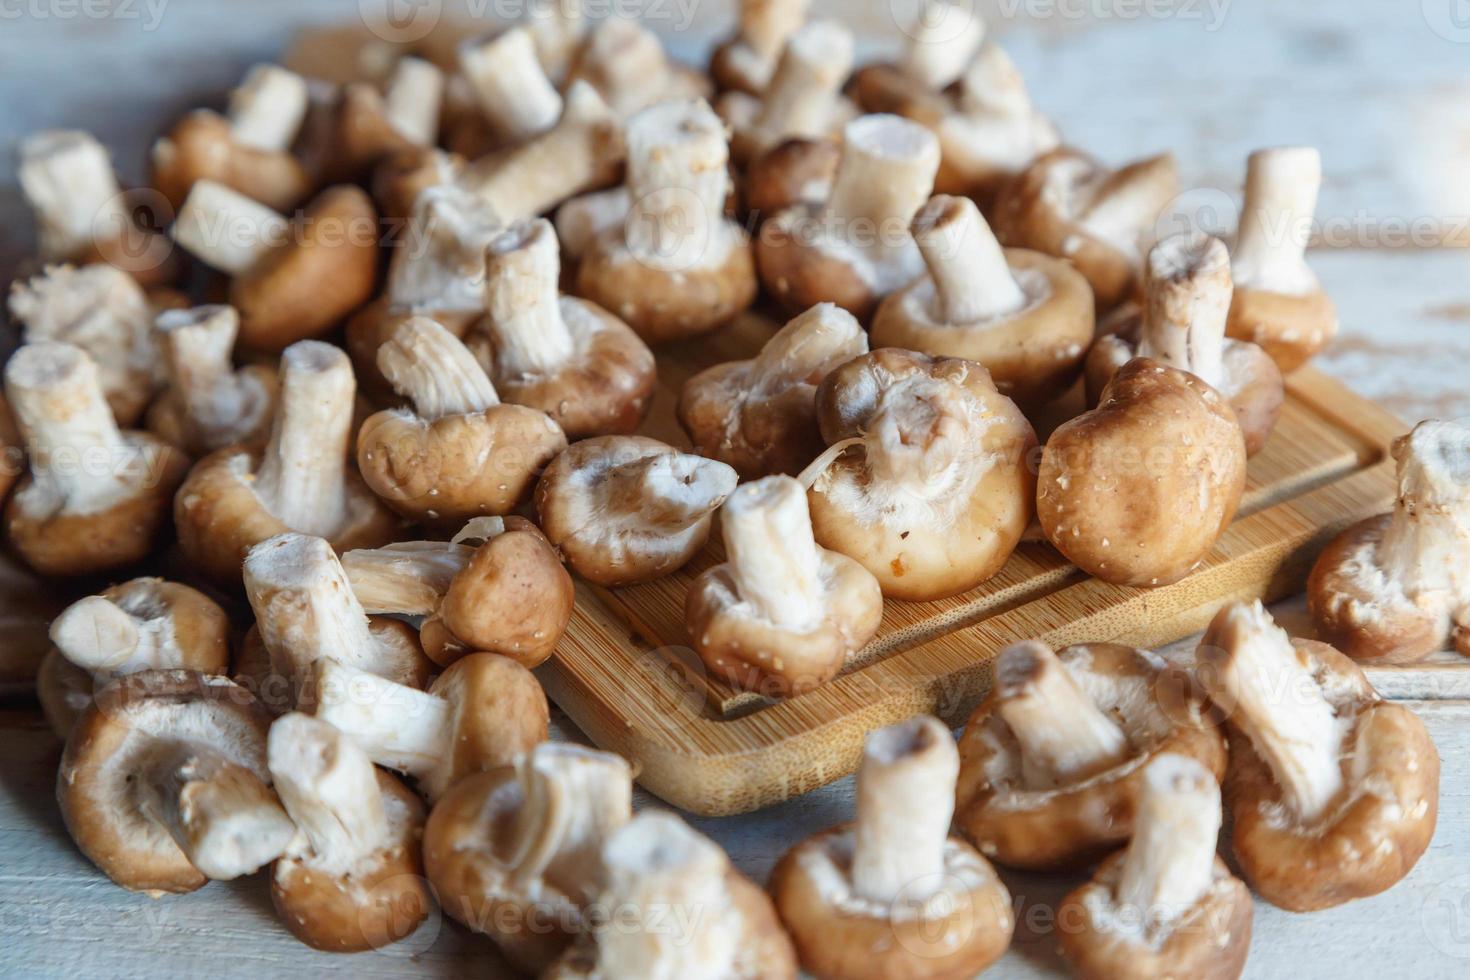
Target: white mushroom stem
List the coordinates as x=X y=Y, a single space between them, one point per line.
x=1123 y=206
x=224 y=818
x=942 y=42
x=198 y=348
x=440 y=264
x=1426 y=548
x=1250 y=668
x=1189 y=292
x=100 y=636
x=581 y=220
x=267 y=109
x=921 y=430
x=669 y=490
x=773 y=555
x=1064 y=738
x=227 y=230
x=397 y=726
x=972 y=281
x=68 y=180
x=77 y=455
x=993 y=86
x=413 y=99
x=886 y=175
x=558 y=27
x=766 y=25
x=809 y=347
x=302 y=475
x=574 y=799
x=1281 y=188
x=675 y=920
x=330 y=788
x=523 y=302
x=800 y=98
x=905 y=801
x=304 y=606
x=627 y=63
x=408 y=579
x=677 y=179
x=511 y=86
x=1170 y=862
x=427 y=364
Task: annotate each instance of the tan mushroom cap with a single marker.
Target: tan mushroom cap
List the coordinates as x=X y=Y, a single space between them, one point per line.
x=327 y=269
x=1381 y=767
x=792 y=173
x=1137 y=491
x=201 y=147
x=1020 y=814
x=935 y=490
x=627 y=509
x=63 y=690
x=1292 y=329
x=199 y=742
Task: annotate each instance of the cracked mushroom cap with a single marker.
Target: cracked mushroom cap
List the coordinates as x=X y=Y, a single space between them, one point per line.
x=1334 y=791
x=930 y=488
x=782 y=614
x=353 y=879
x=515 y=853
x=1069 y=206
x=1027 y=317
x=164 y=784
x=202 y=147
x=94 y=498
x=626 y=509
x=1052 y=761
x=145 y=624
x=1138 y=490
x=1395 y=588
x=759 y=416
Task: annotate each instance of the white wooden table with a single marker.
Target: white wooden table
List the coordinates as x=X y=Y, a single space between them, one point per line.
x=1383 y=88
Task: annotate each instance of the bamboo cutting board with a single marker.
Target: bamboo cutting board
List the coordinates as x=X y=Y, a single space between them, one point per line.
x=627 y=676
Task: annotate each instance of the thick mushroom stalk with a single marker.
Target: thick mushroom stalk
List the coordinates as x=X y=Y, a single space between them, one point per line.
x=330 y=788
x=511 y=86
x=905 y=800
x=412 y=100
x=102 y=636
x=68 y=180
x=972 y=280
x=671 y=491
x=802 y=96
x=810 y=347
x=302 y=478
x=1117 y=206
x=677 y=181
x=1281 y=188
x=410 y=578
x=427 y=364
x=218 y=407
x=227 y=230
x=522 y=300
x=942 y=43
x=1249 y=667
x=1064 y=738
x=1189 y=291
x=1169 y=865
x=766 y=25
x=886 y=175
x=397 y=726
x=267 y=108
x=440 y=266
x=1427 y=541
x=772 y=553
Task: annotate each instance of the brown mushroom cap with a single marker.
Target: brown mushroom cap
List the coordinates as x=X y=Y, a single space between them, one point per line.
x=1292 y=329
x=626 y=509
x=941 y=492
x=401 y=177
x=1137 y=491
x=1043 y=825
x=201 y=147
x=188 y=723
x=64 y=691
x=792 y=173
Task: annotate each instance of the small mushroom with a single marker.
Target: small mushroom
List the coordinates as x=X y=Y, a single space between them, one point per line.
x=458 y=452
x=82 y=214
x=103 y=311
x=1026 y=317
x=353 y=878
x=144 y=624
x=677 y=267
x=1052 y=763
x=940 y=491
x=164 y=785
x=1396 y=588
x=747 y=62
x=626 y=509
x=569 y=358
x=760 y=415
x=477 y=716
x=1165 y=906
x=1138 y=490
x=510 y=86
x=940 y=42
x=1183 y=326
x=94 y=498
x=855 y=248
x=781 y=616
x=291 y=279
x=305 y=611
x=893 y=895
x=367 y=126
x=208 y=404
x=248 y=151
x=515 y=854
x=1070 y=206
x=1334 y=791
x=626 y=64
x=301 y=481
x=654 y=867
x=1279 y=303
x=497 y=587
x=804 y=98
